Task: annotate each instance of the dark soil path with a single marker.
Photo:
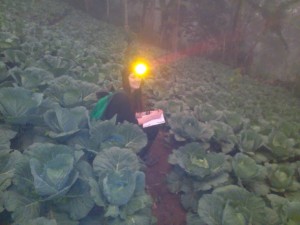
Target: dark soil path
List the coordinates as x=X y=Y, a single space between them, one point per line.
x=166 y=208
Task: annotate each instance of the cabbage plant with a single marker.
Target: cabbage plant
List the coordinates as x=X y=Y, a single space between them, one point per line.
x=31 y=77
x=185 y=126
x=105 y=134
x=250 y=175
x=8 y=160
x=206 y=112
x=3 y=71
x=196 y=170
x=281 y=147
x=282 y=177
x=120 y=187
x=6 y=134
x=49 y=180
x=249 y=141
x=234 y=205
x=235 y=120
x=65 y=122
x=288 y=210
x=18 y=105
x=223 y=136
x=69 y=92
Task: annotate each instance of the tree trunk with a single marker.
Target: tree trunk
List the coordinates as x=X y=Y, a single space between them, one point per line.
x=107 y=9
x=126 y=24
x=176 y=27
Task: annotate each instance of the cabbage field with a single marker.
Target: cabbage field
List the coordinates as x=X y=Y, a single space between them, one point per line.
x=236 y=156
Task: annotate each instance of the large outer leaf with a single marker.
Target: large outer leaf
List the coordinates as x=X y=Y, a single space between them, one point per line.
x=136 y=204
x=69 y=92
x=17 y=104
x=195 y=161
x=65 y=122
x=8 y=40
x=282 y=177
x=115 y=159
x=118 y=187
x=249 y=141
x=3 y=71
x=246 y=169
x=41 y=221
x=186 y=126
x=281 y=146
x=78 y=201
x=224 y=135
x=210 y=209
x=23 y=207
x=33 y=77
x=206 y=112
x=6 y=135
x=194 y=219
x=249 y=205
x=106 y=134
x=8 y=161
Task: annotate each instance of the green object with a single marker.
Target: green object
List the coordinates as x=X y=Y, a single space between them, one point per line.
x=98 y=111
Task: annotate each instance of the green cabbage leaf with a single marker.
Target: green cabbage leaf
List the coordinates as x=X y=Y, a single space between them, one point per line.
x=53 y=176
x=65 y=122
x=250 y=174
x=282 y=177
x=249 y=141
x=234 y=205
x=185 y=126
x=69 y=92
x=6 y=135
x=105 y=134
x=19 y=105
x=32 y=77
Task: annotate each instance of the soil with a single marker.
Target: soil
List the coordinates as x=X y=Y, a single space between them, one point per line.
x=166 y=208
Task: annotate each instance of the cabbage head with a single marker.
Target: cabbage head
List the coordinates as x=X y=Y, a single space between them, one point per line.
x=194 y=159
x=287 y=210
x=246 y=169
x=281 y=146
x=52 y=168
x=69 y=92
x=65 y=122
x=185 y=126
x=249 y=141
x=250 y=174
x=224 y=136
x=119 y=175
x=282 y=177
x=120 y=186
x=18 y=105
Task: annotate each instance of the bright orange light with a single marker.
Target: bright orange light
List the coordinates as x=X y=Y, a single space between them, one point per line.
x=140 y=69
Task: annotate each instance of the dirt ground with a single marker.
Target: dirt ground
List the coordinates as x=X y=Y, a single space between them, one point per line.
x=166 y=208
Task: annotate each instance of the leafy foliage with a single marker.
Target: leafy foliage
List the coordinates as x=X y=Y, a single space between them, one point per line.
x=18 y=105
x=49 y=68
x=105 y=134
x=66 y=122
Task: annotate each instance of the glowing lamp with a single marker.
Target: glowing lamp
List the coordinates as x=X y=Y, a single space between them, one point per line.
x=140 y=69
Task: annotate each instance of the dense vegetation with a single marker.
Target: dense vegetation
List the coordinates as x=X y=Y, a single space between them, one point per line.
x=239 y=154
